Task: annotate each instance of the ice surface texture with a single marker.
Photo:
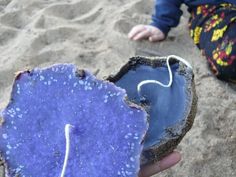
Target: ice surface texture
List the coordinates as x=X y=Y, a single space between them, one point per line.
x=171 y=110
x=105 y=134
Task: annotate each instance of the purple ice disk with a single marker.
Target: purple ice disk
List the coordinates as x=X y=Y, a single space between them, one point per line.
x=105 y=140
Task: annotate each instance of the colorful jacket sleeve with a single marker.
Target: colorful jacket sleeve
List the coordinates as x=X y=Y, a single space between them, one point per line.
x=167 y=14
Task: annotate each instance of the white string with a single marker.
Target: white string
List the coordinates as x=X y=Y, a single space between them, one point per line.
x=67 y=136
x=170 y=75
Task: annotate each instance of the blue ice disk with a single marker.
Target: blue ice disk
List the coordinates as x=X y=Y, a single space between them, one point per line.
x=166 y=106
x=106 y=133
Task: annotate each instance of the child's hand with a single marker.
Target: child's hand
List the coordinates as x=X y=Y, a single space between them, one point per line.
x=149 y=32
x=163 y=164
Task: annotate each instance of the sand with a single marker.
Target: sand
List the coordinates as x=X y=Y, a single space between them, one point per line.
x=93 y=34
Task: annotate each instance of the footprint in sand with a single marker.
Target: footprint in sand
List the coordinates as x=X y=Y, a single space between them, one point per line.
x=7 y=35
x=135 y=13
x=16 y=19
x=47 y=57
x=82 y=12
x=140 y=7
x=4 y=3
x=53 y=37
x=87 y=57
x=123 y=25
x=71 y=11
x=90 y=16
x=5 y=78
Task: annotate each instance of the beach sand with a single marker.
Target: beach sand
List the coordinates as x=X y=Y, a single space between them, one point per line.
x=93 y=34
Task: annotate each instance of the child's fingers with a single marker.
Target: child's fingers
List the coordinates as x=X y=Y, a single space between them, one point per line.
x=135 y=30
x=155 y=38
x=142 y=35
x=165 y=163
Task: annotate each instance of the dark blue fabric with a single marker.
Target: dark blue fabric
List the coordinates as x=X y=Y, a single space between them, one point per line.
x=167 y=12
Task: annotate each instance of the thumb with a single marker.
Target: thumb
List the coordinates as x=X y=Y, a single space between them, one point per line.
x=165 y=163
